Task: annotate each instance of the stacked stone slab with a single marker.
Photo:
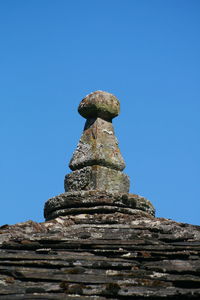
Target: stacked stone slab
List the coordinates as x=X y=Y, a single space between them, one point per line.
x=100 y=257
x=99 y=242
x=97 y=166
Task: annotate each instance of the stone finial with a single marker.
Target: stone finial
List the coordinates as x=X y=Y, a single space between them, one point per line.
x=97 y=186
x=97 y=162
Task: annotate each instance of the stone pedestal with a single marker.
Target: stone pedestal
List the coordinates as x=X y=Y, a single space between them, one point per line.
x=92 y=202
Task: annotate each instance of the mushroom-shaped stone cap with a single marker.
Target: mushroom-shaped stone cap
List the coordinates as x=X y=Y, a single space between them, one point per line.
x=99 y=104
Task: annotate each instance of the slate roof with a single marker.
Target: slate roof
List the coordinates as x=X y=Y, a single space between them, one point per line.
x=100 y=256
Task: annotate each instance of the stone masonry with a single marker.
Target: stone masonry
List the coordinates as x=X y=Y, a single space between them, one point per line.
x=97 y=166
x=99 y=242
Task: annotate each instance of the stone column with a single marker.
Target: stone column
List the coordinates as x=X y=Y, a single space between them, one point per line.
x=97 y=163
x=97 y=184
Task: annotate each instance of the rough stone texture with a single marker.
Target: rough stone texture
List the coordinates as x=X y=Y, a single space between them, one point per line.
x=97 y=178
x=99 y=104
x=97 y=184
x=103 y=243
x=97 y=146
x=100 y=256
x=73 y=203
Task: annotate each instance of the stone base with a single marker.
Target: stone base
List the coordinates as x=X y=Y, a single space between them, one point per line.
x=95 y=202
x=97 y=178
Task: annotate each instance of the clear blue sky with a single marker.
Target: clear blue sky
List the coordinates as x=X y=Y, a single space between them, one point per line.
x=53 y=53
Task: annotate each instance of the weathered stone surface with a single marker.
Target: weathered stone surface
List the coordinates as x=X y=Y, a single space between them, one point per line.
x=107 y=245
x=97 y=167
x=99 y=104
x=97 y=178
x=81 y=257
x=97 y=146
x=90 y=202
